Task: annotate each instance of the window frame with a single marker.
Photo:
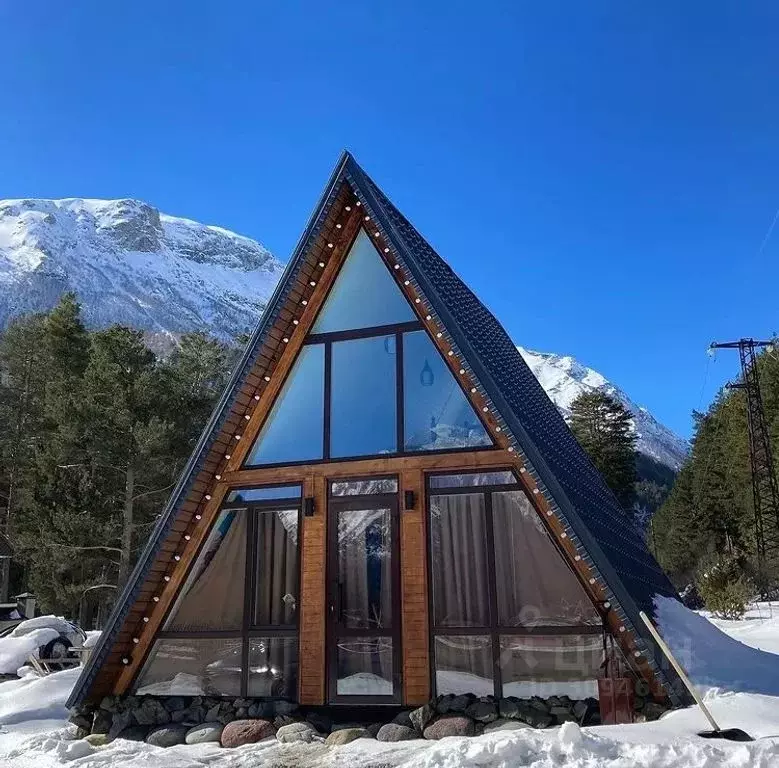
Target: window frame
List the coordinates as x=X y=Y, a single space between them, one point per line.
x=248 y=630
x=397 y=330
x=494 y=630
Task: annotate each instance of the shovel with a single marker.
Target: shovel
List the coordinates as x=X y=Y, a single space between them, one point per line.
x=731 y=734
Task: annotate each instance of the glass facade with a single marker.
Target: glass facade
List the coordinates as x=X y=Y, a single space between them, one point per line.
x=293 y=429
x=233 y=631
x=437 y=414
x=364 y=294
x=509 y=616
x=363 y=397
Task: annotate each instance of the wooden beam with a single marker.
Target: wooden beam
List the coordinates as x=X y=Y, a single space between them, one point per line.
x=414 y=595
x=168 y=594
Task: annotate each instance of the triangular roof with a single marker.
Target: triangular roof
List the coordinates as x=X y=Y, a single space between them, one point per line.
x=563 y=479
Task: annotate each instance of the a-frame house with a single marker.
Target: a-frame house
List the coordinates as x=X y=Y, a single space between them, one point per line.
x=384 y=506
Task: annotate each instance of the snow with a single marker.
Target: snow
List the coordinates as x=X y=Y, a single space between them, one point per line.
x=14 y=649
x=564 y=378
x=34 y=732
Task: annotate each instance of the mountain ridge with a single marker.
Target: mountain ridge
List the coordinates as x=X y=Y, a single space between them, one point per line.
x=130 y=263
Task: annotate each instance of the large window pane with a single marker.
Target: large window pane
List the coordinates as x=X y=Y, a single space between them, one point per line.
x=374 y=485
x=463 y=664
x=536 y=586
x=474 y=479
x=458 y=532
x=267 y=493
x=276 y=598
x=201 y=667
x=364 y=666
x=555 y=665
x=212 y=597
x=273 y=667
x=364 y=294
x=365 y=569
x=363 y=397
x=294 y=428
x=437 y=414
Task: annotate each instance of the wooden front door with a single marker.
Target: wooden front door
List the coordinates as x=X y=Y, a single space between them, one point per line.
x=363 y=617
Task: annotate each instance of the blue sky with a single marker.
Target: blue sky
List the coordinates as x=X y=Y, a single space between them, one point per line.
x=601 y=174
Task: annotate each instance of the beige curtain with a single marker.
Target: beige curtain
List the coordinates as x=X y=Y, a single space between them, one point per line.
x=459 y=562
x=535 y=585
x=212 y=597
x=277 y=568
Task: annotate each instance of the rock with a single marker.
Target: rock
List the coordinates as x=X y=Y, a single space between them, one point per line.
x=240 y=732
x=167 y=735
x=539 y=719
x=508 y=708
x=151 y=712
x=450 y=725
x=503 y=724
x=296 y=732
x=322 y=723
x=538 y=703
x=373 y=729
x=102 y=721
x=205 y=732
x=442 y=706
x=403 y=718
x=283 y=707
x=135 y=733
x=396 y=732
x=462 y=702
x=174 y=704
x=121 y=722
x=212 y=713
x=421 y=716
x=579 y=710
x=227 y=717
x=482 y=711
x=243 y=703
x=82 y=721
x=281 y=720
x=109 y=703
x=346 y=735
x=653 y=710
x=98 y=739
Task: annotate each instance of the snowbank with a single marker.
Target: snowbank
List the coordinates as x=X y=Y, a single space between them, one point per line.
x=712 y=658
x=14 y=649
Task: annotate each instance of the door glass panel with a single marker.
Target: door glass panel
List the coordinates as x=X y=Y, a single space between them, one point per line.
x=192 y=667
x=364 y=597
x=536 y=586
x=276 y=588
x=364 y=295
x=363 y=397
x=273 y=667
x=212 y=597
x=364 y=666
x=534 y=665
x=437 y=414
x=463 y=664
x=458 y=531
x=295 y=427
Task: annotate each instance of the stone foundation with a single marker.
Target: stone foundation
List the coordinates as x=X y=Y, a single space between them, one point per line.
x=172 y=720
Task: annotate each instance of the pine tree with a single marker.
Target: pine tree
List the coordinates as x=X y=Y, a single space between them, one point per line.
x=604 y=428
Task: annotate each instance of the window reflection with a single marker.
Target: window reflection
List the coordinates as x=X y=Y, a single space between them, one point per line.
x=363 y=397
x=437 y=414
x=364 y=295
x=364 y=666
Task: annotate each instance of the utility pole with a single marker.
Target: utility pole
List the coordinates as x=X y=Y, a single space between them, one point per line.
x=765 y=492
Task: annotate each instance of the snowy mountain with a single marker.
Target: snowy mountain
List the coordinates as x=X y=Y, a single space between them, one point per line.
x=564 y=379
x=131 y=264
x=128 y=263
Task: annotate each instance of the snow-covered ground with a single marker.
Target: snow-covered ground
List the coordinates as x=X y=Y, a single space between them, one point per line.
x=35 y=732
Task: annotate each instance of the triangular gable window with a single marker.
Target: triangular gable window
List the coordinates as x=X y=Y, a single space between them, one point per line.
x=294 y=429
x=364 y=294
x=437 y=414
